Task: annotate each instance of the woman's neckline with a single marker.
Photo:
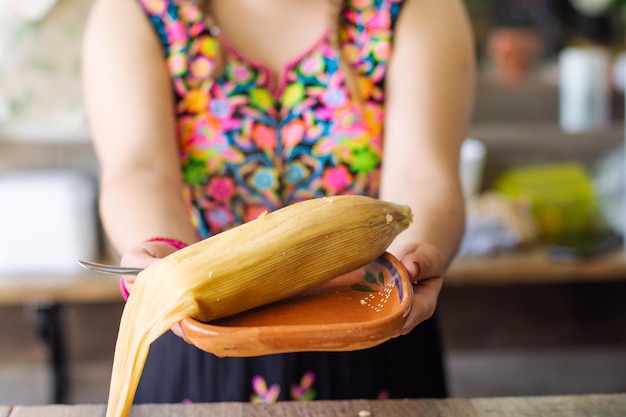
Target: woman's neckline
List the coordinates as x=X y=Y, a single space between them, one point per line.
x=276 y=79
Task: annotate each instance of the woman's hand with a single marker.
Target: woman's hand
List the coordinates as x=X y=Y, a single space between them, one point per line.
x=143 y=255
x=425 y=265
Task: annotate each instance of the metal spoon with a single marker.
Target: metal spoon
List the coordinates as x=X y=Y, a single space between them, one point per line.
x=109 y=269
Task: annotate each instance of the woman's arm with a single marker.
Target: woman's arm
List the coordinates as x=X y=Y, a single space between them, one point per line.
x=130 y=107
x=430 y=87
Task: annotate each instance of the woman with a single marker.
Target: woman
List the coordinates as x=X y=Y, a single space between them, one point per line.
x=206 y=113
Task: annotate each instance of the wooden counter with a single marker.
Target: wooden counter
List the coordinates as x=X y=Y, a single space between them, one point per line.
x=49 y=294
x=534 y=267
x=612 y=405
x=82 y=287
x=524 y=267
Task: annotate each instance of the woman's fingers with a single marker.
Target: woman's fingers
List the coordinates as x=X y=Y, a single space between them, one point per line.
x=142 y=256
x=178 y=331
x=425 y=294
x=425 y=266
x=423 y=262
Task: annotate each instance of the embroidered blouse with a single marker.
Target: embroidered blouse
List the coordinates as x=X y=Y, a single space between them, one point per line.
x=249 y=146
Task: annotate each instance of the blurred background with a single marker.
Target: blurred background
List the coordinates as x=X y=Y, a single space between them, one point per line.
x=533 y=305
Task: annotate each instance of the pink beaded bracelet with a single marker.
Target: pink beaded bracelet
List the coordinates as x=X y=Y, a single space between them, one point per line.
x=176 y=244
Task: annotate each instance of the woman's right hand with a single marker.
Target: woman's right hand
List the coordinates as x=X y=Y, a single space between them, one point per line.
x=143 y=255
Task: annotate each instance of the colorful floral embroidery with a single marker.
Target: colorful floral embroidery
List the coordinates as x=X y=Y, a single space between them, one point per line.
x=263 y=393
x=303 y=391
x=248 y=146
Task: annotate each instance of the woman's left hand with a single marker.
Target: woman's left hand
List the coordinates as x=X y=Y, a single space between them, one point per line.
x=425 y=266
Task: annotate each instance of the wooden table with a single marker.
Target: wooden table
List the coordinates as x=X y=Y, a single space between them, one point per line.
x=81 y=287
x=611 y=405
x=47 y=295
x=533 y=266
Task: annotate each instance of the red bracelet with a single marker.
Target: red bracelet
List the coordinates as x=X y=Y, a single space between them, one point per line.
x=177 y=244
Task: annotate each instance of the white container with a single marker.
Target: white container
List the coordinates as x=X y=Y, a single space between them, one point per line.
x=473 y=155
x=584 y=89
x=48 y=220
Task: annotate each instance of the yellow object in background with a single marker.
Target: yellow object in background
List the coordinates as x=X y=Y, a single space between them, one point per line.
x=562 y=197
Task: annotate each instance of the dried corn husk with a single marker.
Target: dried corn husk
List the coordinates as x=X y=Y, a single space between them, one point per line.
x=273 y=257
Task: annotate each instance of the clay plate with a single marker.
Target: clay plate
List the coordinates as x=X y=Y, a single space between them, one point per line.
x=357 y=310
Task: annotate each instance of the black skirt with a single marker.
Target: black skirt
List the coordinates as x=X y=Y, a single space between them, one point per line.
x=409 y=366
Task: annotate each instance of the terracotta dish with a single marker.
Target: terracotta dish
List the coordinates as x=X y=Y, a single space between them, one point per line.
x=354 y=311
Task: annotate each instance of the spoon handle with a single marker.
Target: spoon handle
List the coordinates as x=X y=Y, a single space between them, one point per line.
x=109 y=269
